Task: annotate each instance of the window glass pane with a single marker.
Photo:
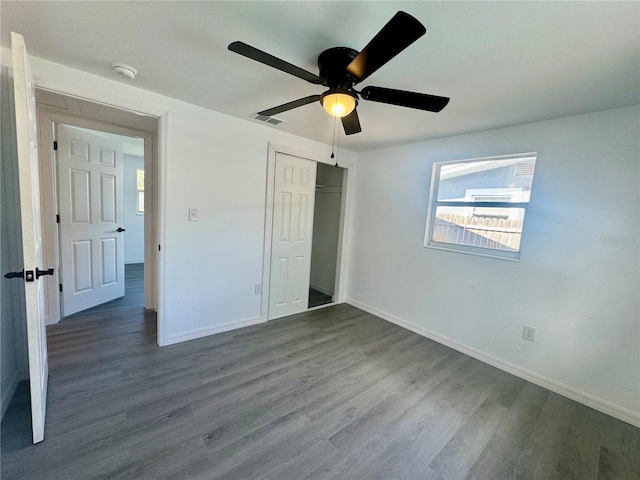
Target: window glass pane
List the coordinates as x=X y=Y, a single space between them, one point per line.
x=140 y=179
x=140 y=202
x=499 y=180
x=495 y=228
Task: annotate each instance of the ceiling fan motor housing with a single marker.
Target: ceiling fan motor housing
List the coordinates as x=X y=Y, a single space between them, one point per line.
x=333 y=63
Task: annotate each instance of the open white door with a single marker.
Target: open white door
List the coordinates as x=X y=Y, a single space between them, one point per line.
x=293 y=202
x=90 y=195
x=27 y=143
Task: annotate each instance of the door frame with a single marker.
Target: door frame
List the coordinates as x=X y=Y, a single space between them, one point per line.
x=159 y=158
x=47 y=122
x=344 y=229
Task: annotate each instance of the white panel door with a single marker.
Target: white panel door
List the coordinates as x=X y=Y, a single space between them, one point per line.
x=293 y=201
x=90 y=196
x=27 y=143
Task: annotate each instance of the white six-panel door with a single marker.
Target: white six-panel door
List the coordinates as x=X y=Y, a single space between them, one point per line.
x=293 y=202
x=90 y=197
x=27 y=143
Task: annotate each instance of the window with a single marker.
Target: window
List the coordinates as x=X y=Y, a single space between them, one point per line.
x=479 y=206
x=140 y=186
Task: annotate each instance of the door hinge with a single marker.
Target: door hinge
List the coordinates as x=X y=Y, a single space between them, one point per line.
x=55 y=145
x=60 y=286
x=158 y=247
x=57 y=218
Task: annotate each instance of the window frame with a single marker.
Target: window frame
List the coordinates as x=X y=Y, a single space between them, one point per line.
x=139 y=191
x=434 y=203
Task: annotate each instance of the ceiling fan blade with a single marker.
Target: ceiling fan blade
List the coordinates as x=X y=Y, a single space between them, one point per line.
x=421 y=101
x=289 y=106
x=351 y=123
x=400 y=32
x=263 y=57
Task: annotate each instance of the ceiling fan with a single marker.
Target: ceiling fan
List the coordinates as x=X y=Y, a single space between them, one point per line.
x=340 y=68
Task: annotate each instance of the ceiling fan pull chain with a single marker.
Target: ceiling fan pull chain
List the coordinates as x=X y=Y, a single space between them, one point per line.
x=338 y=147
x=333 y=140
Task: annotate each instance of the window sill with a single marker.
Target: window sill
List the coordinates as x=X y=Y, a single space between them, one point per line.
x=509 y=256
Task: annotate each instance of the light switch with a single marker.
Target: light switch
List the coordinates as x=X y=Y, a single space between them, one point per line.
x=193 y=214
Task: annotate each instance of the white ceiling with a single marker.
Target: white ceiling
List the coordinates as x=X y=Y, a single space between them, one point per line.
x=502 y=63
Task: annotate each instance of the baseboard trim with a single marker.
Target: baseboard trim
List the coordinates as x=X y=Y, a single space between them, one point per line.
x=212 y=330
x=7 y=395
x=130 y=262
x=321 y=289
x=579 y=396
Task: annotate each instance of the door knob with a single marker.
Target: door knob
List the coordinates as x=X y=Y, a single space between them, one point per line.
x=120 y=229
x=26 y=276
x=29 y=276
x=14 y=274
x=40 y=273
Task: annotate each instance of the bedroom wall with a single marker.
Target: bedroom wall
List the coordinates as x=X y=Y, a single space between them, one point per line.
x=217 y=164
x=578 y=279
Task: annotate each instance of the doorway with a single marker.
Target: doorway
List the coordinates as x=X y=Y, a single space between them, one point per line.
x=100 y=192
x=110 y=123
x=286 y=279
x=326 y=234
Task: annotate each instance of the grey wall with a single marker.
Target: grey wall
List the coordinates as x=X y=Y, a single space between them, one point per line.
x=12 y=313
x=133 y=223
x=326 y=226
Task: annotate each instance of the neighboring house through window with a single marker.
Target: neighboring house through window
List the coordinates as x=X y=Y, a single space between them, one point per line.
x=479 y=206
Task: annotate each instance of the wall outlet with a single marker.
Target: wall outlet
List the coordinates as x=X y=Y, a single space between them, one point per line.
x=258 y=288
x=193 y=214
x=528 y=333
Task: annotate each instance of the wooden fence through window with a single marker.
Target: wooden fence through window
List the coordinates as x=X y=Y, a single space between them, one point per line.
x=476 y=231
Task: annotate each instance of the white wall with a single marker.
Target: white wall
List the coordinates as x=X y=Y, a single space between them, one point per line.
x=326 y=228
x=133 y=223
x=580 y=292
x=217 y=164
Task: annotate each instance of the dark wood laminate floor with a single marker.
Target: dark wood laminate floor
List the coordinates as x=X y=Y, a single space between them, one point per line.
x=333 y=393
x=317 y=298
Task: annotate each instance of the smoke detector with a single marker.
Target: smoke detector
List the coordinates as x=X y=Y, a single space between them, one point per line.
x=125 y=71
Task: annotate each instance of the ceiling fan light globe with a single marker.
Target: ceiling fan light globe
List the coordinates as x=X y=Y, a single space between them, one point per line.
x=338 y=104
